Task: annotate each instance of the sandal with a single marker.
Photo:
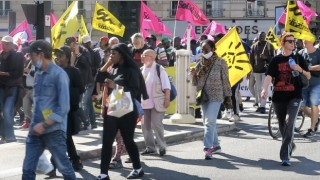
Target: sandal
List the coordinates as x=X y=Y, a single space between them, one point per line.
x=115 y=164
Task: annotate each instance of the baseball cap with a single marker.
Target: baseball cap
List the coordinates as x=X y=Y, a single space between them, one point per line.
x=64 y=50
x=69 y=40
x=41 y=46
x=104 y=38
x=151 y=36
x=7 y=39
x=165 y=40
x=86 y=39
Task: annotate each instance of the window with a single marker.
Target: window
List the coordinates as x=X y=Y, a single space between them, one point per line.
x=81 y=10
x=256 y=8
x=214 y=8
x=4 y=8
x=173 y=11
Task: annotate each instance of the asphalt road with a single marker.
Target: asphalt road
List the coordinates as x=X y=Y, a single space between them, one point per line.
x=248 y=153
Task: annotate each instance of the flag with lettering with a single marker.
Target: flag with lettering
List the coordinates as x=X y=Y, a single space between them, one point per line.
x=273 y=39
x=66 y=26
x=193 y=34
x=230 y=48
x=148 y=20
x=306 y=12
x=214 y=28
x=21 y=33
x=188 y=11
x=82 y=29
x=104 y=21
x=296 y=24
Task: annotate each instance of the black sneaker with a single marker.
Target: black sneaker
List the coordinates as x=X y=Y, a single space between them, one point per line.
x=285 y=163
x=105 y=178
x=309 y=134
x=77 y=165
x=147 y=151
x=162 y=152
x=258 y=109
x=262 y=110
x=247 y=99
x=135 y=174
x=241 y=107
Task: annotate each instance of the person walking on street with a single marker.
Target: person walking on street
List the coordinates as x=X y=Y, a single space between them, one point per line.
x=76 y=87
x=51 y=107
x=260 y=55
x=11 y=72
x=127 y=74
x=211 y=77
x=287 y=93
x=311 y=95
x=158 y=88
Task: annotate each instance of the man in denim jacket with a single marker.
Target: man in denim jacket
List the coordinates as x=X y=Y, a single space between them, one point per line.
x=51 y=107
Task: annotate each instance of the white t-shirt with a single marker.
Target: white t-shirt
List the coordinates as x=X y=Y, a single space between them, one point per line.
x=165 y=84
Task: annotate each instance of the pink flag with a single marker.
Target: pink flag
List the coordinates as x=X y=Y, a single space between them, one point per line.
x=214 y=28
x=21 y=33
x=306 y=12
x=53 y=19
x=144 y=33
x=148 y=20
x=188 y=11
x=193 y=34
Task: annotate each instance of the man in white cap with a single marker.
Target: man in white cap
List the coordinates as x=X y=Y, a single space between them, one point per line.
x=11 y=72
x=95 y=65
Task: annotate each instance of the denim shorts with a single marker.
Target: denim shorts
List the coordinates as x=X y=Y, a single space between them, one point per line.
x=311 y=96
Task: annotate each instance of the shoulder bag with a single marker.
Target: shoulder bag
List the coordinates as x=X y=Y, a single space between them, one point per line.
x=202 y=96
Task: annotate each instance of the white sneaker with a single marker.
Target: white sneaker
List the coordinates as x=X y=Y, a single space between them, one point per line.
x=225 y=115
x=235 y=118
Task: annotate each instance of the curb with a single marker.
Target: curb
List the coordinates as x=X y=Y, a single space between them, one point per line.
x=171 y=138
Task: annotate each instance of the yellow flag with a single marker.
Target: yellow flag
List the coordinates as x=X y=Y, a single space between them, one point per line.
x=104 y=21
x=296 y=24
x=273 y=39
x=230 y=48
x=82 y=30
x=66 y=26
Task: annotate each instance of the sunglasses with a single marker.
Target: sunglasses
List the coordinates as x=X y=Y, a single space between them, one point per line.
x=290 y=41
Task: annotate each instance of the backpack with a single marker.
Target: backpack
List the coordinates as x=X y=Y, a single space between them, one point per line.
x=173 y=91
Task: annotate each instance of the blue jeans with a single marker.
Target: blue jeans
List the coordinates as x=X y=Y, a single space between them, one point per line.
x=56 y=144
x=311 y=96
x=8 y=99
x=87 y=104
x=209 y=115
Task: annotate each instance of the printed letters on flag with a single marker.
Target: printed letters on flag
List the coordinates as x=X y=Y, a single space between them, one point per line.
x=188 y=11
x=193 y=34
x=273 y=39
x=21 y=33
x=306 y=12
x=148 y=20
x=230 y=48
x=104 y=21
x=66 y=26
x=296 y=24
x=214 y=28
x=82 y=30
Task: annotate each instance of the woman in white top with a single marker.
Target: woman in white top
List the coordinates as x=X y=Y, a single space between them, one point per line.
x=158 y=88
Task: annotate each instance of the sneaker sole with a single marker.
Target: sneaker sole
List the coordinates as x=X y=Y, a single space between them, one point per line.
x=217 y=151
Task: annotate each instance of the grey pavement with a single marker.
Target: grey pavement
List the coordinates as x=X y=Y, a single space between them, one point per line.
x=88 y=143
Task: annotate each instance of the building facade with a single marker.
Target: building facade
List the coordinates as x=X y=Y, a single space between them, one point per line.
x=251 y=16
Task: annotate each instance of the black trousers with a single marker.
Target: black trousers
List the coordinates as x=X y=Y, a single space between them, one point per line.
x=72 y=129
x=234 y=98
x=126 y=124
x=286 y=126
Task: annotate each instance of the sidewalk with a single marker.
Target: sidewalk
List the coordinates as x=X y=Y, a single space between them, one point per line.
x=88 y=143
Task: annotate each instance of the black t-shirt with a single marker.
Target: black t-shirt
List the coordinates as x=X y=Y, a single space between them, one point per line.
x=285 y=87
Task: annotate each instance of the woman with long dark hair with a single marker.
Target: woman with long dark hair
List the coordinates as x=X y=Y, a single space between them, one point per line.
x=127 y=74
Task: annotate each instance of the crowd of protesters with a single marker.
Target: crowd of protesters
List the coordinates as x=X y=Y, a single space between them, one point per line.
x=40 y=80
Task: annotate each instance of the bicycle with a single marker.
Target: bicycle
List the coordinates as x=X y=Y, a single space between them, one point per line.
x=273 y=125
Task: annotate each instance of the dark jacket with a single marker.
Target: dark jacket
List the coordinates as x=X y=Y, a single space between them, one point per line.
x=13 y=64
x=259 y=64
x=95 y=61
x=83 y=63
x=136 y=54
x=76 y=88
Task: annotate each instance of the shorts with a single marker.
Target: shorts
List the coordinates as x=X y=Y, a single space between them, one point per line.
x=311 y=96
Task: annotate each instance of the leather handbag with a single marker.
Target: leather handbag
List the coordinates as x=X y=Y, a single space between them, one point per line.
x=202 y=96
